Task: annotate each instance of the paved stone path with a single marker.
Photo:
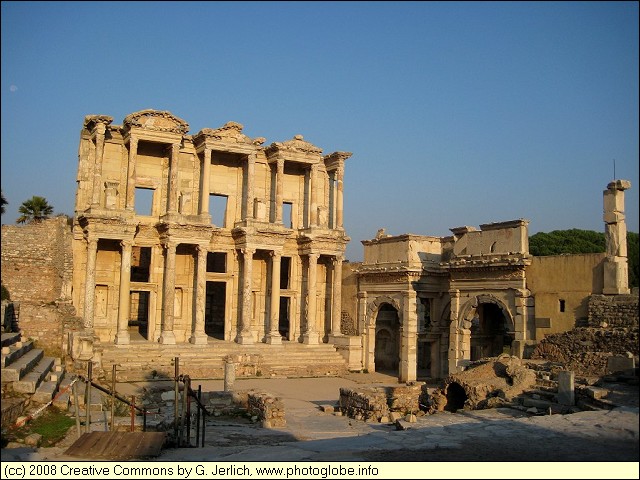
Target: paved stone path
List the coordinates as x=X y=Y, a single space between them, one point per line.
x=494 y=435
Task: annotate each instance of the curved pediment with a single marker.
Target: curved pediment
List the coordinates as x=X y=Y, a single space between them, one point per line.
x=156 y=120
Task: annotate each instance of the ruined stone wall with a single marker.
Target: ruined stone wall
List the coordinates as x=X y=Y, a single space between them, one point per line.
x=43 y=323
x=378 y=403
x=37 y=260
x=268 y=409
x=585 y=350
x=613 y=310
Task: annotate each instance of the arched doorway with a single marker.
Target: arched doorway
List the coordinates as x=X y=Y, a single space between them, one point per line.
x=387 y=350
x=490 y=332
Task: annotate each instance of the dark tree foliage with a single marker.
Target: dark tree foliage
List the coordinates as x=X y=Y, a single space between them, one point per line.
x=574 y=240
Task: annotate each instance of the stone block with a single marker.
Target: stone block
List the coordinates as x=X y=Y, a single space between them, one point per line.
x=620 y=363
x=540 y=404
x=566 y=388
x=327 y=408
x=596 y=393
x=33 y=440
x=411 y=418
x=402 y=425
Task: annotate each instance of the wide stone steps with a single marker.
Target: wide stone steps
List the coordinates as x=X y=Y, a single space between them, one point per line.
x=26 y=370
x=207 y=361
x=63 y=400
x=9 y=338
x=49 y=387
x=14 y=351
x=21 y=366
x=32 y=380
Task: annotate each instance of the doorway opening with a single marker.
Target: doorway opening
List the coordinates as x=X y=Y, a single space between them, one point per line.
x=387 y=349
x=139 y=315
x=490 y=335
x=214 y=312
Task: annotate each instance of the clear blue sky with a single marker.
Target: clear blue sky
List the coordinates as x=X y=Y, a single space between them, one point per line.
x=456 y=113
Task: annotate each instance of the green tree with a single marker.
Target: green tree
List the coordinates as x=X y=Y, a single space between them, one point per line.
x=35 y=209
x=573 y=241
x=3 y=202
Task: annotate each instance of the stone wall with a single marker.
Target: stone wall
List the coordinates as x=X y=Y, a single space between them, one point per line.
x=613 y=311
x=45 y=324
x=585 y=350
x=612 y=330
x=37 y=260
x=268 y=409
x=378 y=403
x=364 y=404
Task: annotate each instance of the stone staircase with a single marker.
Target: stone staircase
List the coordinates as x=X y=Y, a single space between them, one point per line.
x=152 y=361
x=28 y=373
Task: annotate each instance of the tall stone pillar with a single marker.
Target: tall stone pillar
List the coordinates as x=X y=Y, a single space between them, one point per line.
x=167 y=336
x=313 y=182
x=339 y=197
x=251 y=173
x=131 y=173
x=198 y=335
x=204 y=189
x=279 y=189
x=310 y=336
x=454 y=332
x=246 y=335
x=336 y=300
x=172 y=206
x=616 y=268
x=274 y=337
x=97 y=175
x=90 y=283
x=409 y=338
x=122 y=335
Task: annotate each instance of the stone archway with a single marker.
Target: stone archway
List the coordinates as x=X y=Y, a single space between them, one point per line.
x=490 y=327
x=387 y=340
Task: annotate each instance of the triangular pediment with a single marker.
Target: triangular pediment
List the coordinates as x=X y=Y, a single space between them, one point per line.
x=156 y=120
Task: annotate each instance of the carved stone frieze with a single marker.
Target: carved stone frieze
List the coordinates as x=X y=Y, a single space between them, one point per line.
x=184 y=233
x=488 y=274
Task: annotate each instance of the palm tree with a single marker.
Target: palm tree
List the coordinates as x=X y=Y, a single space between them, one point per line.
x=34 y=210
x=3 y=202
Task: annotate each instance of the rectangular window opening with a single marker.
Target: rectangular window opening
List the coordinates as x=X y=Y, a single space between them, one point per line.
x=144 y=201
x=562 y=305
x=218 y=209
x=285 y=267
x=287 y=217
x=216 y=262
x=140 y=264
